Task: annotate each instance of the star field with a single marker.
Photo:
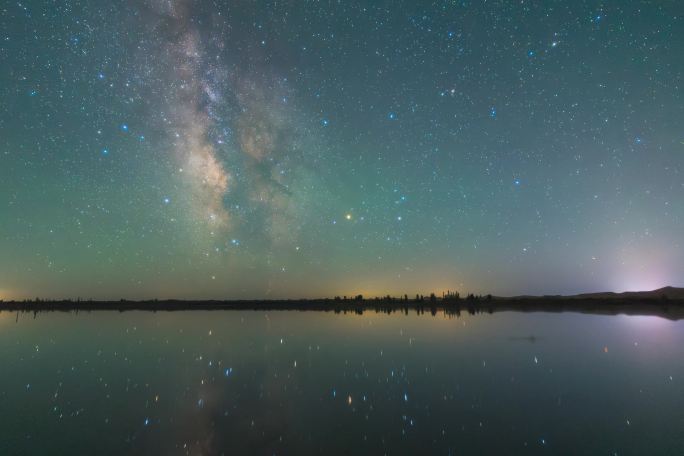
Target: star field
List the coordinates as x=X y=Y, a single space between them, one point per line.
x=193 y=149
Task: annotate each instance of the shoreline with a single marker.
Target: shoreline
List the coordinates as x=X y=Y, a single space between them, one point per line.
x=672 y=309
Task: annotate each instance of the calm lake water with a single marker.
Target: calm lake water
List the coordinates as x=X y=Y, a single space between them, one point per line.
x=292 y=383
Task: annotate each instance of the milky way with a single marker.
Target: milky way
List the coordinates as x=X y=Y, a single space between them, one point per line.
x=227 y=120
x=187 y=149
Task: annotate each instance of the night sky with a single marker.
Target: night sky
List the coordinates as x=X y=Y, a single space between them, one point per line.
x=190 y=149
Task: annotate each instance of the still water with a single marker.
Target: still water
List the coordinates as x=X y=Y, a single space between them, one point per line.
x=292 y=383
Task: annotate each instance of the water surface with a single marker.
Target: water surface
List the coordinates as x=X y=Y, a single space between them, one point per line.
x=287 y=382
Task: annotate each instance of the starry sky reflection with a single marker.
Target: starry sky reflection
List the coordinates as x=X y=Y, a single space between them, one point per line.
x=308 y=382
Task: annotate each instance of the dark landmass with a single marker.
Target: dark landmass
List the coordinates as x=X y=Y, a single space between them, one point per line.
x=661 y=293
x=666 y=302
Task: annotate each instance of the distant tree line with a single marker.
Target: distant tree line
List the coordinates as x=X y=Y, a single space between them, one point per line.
x=447 y=296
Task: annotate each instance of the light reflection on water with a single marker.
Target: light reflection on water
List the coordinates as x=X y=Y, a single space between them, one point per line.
x=311 y=382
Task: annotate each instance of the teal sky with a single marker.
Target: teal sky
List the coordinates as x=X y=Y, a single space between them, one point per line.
x=298 y=149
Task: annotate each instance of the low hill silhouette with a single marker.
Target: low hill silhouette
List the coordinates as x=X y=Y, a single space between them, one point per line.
x=660 y=293
x=665 y=292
